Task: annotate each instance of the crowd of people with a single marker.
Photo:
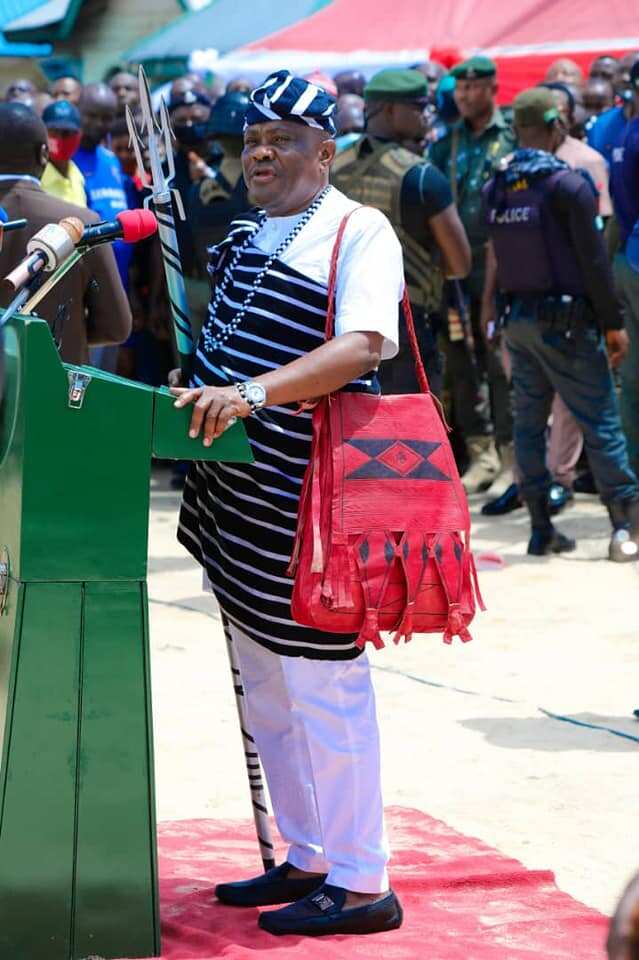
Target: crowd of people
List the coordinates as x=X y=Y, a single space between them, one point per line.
x=421 y=144
x=516 y=237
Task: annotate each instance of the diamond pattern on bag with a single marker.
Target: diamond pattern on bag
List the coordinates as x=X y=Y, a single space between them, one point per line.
x=400 y=458
x=390 y=459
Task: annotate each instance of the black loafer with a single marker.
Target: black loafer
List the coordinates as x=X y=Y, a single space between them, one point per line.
x=558 y=498
x=269 y=888
x=322 y=913
x=506 y=503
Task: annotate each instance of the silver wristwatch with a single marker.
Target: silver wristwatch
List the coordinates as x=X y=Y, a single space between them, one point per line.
x=252 y=393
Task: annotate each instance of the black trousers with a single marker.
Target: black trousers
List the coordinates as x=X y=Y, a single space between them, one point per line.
x=477 y=383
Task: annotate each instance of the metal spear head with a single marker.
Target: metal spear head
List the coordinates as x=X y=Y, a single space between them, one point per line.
x=146 y=104
x=166 y=131
x=159 y=134
x=135 y=140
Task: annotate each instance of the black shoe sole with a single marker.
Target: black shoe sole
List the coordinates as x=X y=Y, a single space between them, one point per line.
x=321 y=927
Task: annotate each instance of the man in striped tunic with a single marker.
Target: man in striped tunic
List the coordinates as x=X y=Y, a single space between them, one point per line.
x=309 y=696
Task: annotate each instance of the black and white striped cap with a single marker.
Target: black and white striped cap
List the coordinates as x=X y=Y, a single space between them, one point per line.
x=283 y=96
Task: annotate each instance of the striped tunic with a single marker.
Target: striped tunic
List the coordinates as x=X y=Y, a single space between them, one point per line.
x=239 y=520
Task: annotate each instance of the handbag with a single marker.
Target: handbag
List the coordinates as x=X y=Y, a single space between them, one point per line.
x=383 y=528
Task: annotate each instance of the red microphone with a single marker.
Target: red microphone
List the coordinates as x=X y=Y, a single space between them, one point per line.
x=129 y=226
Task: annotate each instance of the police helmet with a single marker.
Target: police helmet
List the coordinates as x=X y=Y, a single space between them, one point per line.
x=227 y=116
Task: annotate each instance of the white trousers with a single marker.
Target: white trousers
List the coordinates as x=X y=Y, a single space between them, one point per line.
x=315 y=727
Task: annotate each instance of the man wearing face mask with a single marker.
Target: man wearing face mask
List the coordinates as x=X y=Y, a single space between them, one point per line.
x=88 y=307
x=62 y=177
x=190 y=112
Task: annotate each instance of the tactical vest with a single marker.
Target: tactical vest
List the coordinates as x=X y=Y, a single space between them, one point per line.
x=375 y=179
x=534 y=250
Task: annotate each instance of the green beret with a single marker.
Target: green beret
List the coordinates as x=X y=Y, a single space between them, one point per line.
x=401 y=86
x=475 y=68
x=535 y=107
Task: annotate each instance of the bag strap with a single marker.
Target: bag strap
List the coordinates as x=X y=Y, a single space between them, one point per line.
x=329 y=330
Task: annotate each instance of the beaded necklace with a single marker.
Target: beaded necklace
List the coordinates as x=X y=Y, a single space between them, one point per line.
x=214 y=341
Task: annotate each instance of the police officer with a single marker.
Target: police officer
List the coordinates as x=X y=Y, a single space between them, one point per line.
x=624 y=183
x=466 y=155
x=561 y=316
x=381 y=169
x=221 y=194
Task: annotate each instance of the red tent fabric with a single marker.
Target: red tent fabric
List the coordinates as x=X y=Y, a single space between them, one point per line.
x=523 y=36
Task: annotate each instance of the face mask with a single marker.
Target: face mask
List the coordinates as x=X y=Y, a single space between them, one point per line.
x=191 y=134
x=62 y=149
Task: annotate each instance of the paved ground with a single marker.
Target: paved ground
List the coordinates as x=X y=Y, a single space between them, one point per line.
x=468 y=730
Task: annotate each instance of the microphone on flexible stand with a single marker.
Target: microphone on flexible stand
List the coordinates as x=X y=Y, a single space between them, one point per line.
x=58 y=246
x=130 y=226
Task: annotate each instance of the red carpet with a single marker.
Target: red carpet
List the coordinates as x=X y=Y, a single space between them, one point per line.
x=462 y=901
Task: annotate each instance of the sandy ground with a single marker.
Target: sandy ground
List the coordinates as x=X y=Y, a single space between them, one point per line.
x=466 y=729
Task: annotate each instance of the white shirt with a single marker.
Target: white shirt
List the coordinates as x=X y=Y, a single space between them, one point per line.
x=370 y=271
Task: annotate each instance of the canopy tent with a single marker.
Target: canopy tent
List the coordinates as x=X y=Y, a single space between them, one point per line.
x=523 y=36
x=11 y=10
x=51 y=20
x=221 y=26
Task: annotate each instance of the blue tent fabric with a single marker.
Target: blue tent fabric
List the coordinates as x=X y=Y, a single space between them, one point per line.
x=23 y=49
x=11 y=10
x=222 y=26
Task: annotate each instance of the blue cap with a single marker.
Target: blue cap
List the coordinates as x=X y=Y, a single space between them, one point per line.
x=62 y=115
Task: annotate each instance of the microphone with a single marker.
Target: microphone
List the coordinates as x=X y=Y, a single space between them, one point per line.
x=46 y=249
x=130 y=226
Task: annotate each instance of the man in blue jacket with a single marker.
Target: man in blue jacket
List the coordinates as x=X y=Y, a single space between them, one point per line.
x=624 y=188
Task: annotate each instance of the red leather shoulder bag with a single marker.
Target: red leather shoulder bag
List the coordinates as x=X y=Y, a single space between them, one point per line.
x=383 y=529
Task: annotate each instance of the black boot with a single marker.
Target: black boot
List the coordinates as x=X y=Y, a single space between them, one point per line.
x=545 y=538
x=624 y=543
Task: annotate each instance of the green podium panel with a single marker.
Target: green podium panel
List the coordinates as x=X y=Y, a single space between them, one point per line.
x=78 y=872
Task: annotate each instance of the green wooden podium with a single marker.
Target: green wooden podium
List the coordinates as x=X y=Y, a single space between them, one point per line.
x=78 y=874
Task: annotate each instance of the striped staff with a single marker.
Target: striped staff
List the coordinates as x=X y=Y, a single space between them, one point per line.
x=253 y=767
x=159 y=141
x=163 y=196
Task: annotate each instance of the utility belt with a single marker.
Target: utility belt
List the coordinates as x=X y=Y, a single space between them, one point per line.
x=562 y=314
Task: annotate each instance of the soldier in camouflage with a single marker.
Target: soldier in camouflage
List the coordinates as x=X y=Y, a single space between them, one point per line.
x=467 y=156
x=382 y=169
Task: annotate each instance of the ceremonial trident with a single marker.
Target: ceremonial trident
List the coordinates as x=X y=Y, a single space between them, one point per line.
x=162 y=196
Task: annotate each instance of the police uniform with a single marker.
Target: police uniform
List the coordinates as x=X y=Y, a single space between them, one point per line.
x=384 y=174
x=468 y=160
x=553 y=271
x=222 y=195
